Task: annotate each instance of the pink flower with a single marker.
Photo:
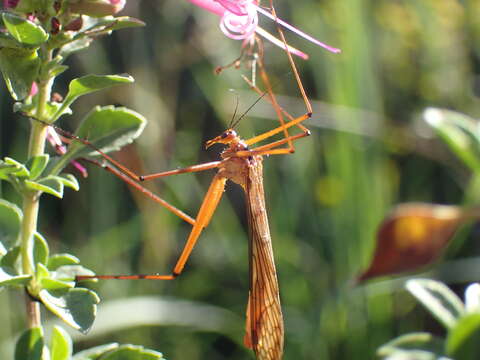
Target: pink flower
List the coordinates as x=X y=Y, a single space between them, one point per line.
x=33 y=89
x=239 y=21
x=10 y=4
x=55 y=140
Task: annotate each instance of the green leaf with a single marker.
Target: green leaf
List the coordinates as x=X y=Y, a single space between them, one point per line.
x=57 y=70
x=10 y=260
x=29 y=109
x=41 y=272
x=57 y=260
x=77 y=307
x=438 y=299
x=6 y=170
x=40 y=249
x=53 y=284
x=23 y=30
x=69 y=272
x=22 y=171
x=30 y=345
x=61 y=345
x=50 y=184
x=8 y=41
x=53 y=108
x=20 y=69
x=123 y=22
x=132 y=352
x=462 y=340
x=15 y=280
x=92 y=83
x=420 y=345
x=10 y=222
x=109 y=24
x=70 y=181
x=95 y=353
x=36 y=165
x=108 y=129
x=89 y=84
x=74 y=46
x=459 y=132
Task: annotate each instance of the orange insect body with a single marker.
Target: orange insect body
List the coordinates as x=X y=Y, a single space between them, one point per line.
x=264 y=322
x=242 y=165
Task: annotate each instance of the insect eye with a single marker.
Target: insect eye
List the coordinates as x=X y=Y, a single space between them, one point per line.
x=225 y=134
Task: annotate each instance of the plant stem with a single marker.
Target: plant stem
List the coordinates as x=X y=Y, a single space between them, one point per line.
x=36 y=147
x=33 y=311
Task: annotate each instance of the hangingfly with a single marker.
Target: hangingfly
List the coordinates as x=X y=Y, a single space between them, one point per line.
x=241 y=164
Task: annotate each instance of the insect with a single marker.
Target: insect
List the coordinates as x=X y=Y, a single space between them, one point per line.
x=241 y=163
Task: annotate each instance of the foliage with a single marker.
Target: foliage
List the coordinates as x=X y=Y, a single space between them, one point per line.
x=34 y=48
x=462 y=323
x=369 y=149
x=416 y=235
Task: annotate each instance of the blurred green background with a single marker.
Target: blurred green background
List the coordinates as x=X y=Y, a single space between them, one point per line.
x=369 y=149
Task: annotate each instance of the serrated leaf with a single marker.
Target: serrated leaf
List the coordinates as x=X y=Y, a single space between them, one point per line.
x=462 y=340
x=22 y=171
x=50 y=185
x=69 y=181
x=444 y=305
x=10 y=223
x=30 y=345
x=420 y=342
x=57 y=260
x=40 y=249
x=96 y=352
x=19 y=69
x=107 y=129
x=89 y=84
x=36 y=165
x=77 y=307
x=52 y=284
x=61 y=344
x=74 y=46
x=69 y=272
x=13 y=280
x=23 y=30
x=459 y=132
x=132 y=352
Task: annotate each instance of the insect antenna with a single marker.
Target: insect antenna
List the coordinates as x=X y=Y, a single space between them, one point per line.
x=232 y=120
x=235 y=123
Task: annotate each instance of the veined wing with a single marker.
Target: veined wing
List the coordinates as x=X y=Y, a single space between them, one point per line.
x=264 y=326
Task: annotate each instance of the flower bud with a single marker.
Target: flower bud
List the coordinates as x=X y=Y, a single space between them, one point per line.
x=96 y=8
x=74 y=25
x=10 y=4
x=21 y=6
